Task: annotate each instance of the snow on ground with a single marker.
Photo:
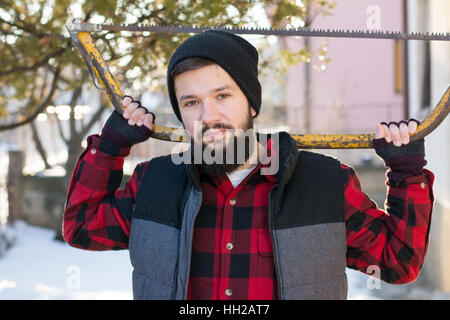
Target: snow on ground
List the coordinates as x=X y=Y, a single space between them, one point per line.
x=360 y=286
x=38 y=267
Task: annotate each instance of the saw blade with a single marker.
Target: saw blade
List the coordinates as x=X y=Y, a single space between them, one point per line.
x=303 y=32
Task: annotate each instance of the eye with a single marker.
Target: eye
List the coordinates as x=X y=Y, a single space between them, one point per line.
x=190 y=103
x=223 y=96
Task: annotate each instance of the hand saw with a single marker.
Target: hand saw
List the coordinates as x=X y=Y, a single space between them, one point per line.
x=80 y=33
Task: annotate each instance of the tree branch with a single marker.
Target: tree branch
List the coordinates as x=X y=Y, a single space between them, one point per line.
x=73 y=101
x=35 y=135
x=61 y=132
x=39 y=109
x=39 y=146
x=98 y=114
x=32 y=30
x=34 y=66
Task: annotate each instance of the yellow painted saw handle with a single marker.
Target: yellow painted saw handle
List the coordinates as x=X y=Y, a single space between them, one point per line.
x=364 y=141
x=92 y=56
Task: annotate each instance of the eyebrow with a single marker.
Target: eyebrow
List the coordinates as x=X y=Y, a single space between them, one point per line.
x=225 y=87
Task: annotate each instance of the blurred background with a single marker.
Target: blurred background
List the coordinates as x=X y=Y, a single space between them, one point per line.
x=49 y=106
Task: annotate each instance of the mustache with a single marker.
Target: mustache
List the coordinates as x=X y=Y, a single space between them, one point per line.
x=218 y=125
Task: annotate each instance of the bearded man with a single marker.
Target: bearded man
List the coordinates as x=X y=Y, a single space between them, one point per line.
x=235 y=229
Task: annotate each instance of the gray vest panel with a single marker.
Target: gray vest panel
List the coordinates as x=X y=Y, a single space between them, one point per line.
x=313 y=261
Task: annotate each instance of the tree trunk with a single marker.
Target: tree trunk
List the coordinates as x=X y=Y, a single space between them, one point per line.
x=74 y=151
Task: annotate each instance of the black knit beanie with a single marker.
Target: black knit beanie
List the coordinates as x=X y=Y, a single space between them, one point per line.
x=233 y=53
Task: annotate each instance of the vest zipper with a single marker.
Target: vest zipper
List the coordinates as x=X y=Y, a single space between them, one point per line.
x=274 y=245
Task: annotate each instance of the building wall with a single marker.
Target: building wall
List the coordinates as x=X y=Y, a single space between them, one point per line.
x=432 y=16
x=357 y=90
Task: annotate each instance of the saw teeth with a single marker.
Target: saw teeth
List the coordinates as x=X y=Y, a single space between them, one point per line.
x=320 y=32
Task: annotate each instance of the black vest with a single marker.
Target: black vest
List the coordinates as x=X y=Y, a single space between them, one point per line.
x=306 y=221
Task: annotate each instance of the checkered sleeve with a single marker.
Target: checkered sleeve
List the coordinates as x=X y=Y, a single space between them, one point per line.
x=97 y=214
x=395 y=240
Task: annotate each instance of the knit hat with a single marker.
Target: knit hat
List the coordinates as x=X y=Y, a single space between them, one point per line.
x=233 y=53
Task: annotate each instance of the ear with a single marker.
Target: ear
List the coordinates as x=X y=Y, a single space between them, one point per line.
x=253 y=112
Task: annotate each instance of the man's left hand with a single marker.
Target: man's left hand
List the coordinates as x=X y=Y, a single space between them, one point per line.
x=397 y=133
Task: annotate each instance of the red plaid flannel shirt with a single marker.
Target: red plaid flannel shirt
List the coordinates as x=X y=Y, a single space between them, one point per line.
x=395 y=240
x=232 y=251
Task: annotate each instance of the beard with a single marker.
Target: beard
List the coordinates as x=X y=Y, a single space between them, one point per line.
x=231 y=152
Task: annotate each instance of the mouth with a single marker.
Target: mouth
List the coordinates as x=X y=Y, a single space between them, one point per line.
x=214 y=132
x=212 y=135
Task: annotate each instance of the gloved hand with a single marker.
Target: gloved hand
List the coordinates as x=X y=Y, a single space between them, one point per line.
x=133 y=127
x=403 y=158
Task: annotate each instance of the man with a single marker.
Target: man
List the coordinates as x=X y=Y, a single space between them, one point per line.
x=232 y=230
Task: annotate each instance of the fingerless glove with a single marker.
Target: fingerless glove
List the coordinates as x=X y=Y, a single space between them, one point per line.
x=118 y=132
x=403 y=162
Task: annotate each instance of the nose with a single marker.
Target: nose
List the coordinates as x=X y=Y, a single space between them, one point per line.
x=210 y=112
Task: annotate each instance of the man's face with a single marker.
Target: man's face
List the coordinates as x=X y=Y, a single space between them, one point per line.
x=211 y=96
x=211 y=101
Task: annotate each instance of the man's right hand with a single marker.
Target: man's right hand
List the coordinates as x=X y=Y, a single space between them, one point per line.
x=136 y=114
x=134 y=126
